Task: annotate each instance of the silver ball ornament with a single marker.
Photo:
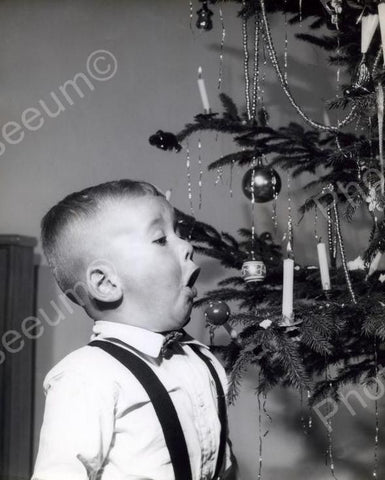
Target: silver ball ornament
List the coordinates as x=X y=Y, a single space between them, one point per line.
x=262 y=182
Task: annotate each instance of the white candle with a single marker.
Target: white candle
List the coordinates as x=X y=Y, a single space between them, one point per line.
x=381 y=17
x=323 y=266
x=203 y=92
x=369 y=24
x=326 y=118
x=375 y=262
x=288 y=284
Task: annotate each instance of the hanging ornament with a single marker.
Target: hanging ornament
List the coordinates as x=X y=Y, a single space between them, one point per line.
x=253 y=271
x=217 y=314
x=266 y=237
x=263 y=183
x=204 y=21
x=165 y=141
x=362 y=83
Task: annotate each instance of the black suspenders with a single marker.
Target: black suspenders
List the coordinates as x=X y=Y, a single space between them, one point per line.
x=165 y=410
x=222 y=410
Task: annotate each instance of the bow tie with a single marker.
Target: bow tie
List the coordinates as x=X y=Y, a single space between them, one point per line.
x=171 y=339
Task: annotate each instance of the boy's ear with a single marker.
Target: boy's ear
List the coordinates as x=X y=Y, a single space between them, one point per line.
x=103 y=282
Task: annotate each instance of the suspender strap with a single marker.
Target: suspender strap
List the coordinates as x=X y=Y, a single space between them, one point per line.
x=222 y=411
x=163 y=406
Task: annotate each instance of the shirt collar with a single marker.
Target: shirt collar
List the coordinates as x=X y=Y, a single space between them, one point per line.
x=146 y=341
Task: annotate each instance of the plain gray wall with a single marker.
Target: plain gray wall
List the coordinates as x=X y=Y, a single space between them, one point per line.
x=104 y=136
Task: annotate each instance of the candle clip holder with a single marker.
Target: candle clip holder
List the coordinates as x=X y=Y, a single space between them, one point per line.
x=291 y=327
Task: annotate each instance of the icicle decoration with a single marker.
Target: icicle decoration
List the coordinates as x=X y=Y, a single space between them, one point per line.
x=274 y=61
x=220 y=74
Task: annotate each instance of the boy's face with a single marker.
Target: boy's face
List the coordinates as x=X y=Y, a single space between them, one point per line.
x=151 y=262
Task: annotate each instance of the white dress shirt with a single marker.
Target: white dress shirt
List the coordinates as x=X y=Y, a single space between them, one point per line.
x=99 y=423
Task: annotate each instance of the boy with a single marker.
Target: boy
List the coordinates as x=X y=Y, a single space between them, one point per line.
x=113 y=249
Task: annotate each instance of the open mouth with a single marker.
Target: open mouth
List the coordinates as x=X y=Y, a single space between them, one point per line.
x=193 y=278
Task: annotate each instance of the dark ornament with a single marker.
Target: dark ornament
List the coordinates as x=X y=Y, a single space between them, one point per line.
x=266 y=237
x=165 y=141
x=217 y=313
x=204 y=21
x=261 y=182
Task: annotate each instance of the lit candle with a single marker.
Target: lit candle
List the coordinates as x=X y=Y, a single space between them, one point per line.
x=288 y=285
x=323 y=266
x=203 y=92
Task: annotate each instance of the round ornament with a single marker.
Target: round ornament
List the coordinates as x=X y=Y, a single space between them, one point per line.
x=253 y=271
x=266 y=237
x=264 y=182
x=204 y=21
x=217 y=313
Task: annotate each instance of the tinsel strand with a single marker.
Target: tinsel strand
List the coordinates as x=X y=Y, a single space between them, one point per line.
x=260 y=440
x=256 y=67
x=380 y=119
x=286 y=45
x=330 y=435
x=252 y=252
x=342 y=251
x=274 y=61
x=220 y=74
x=189 y=188
x=200 y=181
x=231 y=177
x=246 y=63
x=377 y=423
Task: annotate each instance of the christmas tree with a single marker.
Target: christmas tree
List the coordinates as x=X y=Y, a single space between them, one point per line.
x=293 y=331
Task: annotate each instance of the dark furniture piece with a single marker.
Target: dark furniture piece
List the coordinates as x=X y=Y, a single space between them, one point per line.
x=17 y=294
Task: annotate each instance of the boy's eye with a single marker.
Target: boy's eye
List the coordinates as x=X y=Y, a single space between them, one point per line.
x=161 y=240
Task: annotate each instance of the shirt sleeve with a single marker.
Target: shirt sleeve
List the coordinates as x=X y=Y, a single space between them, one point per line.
x=77 y=428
